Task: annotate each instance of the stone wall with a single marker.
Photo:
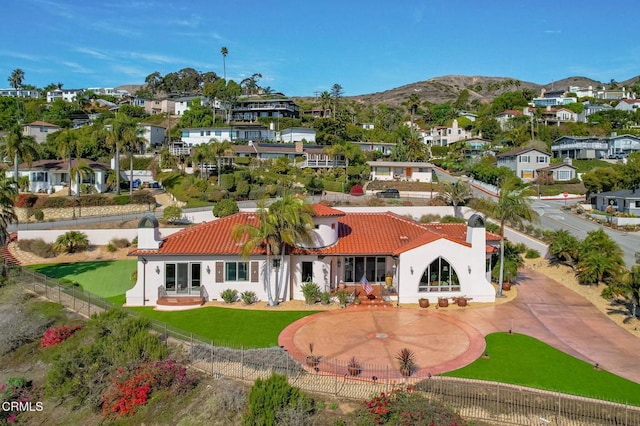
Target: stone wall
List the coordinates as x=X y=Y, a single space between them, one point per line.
x=67 y=212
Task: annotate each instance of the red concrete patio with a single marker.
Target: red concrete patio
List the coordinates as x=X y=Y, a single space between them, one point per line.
x=448 y=339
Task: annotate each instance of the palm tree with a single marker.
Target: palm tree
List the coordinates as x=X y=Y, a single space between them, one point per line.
x=284 y=224
x=65 y=144
x=455 y=193
x=122 y=133
x=219 y=149
x=512 y=206
x=599 y=259
x=20 y=147
x=224 y=51
x=71 y=241
x=564 y=248
x=16 y=78
x=630 y=287
x=8 y=193
x=413 y=103
x=79 y=172
x=325 y=102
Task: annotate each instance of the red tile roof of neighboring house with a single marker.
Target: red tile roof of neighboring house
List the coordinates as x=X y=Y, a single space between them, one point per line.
x=359 y=234
x=321 y=210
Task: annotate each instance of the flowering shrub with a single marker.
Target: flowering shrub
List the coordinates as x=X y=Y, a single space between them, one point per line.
x=15 y=389
x=26 y=200
x=404 y=406
x=58 y=334
x=131 y=388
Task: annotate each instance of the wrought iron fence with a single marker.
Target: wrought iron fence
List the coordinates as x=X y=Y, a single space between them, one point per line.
x=490 y=402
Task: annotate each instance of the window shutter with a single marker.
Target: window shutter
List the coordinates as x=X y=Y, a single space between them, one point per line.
x=219 y=272
x=255 y=271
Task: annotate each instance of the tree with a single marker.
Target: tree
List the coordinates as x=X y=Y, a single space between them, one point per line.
x=512 y=206
x=564 y=248
x=122 y=133
x=286 y=223
x=455 y=193
x=225 y=207
x=172 y=213
x=154 y=82
x=219 y=149
x=16 y=78
x=71 y=242
x=8 y=193
x=336 y=94
x=79 y=172
x=20 y=147
x=599 y=259
x=65 y=143
x=413 y=103
x=224 y=52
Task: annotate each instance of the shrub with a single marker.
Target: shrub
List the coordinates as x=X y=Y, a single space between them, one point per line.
x=143 y=197
x=16 y=389
x=131 y=388
x=26 y=200
x=229 y=295
x=120 y=242
x=248 y=297
x=325 y=298
x=270 y=397
x=122 y=200
x=38 y=247
x=54 y=202
x=311 y=292
x=225 y=207
x=72 y=242
x=343 y=297
x=532 y=254
x=56 y=335
x=429 y=218
x=38 y=214
x=452 y=219
x=111 y=248
x=172 y=213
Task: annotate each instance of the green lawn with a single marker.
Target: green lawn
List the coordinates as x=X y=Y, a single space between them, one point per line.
x=523 y=360
x=255 y=329
x=107 y=278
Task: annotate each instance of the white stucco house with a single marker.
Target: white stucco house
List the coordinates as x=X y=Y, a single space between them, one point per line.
x=401 y=170
x=53 y=175
x=425 y=260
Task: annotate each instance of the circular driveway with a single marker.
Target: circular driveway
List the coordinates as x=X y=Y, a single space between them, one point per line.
x=375 y=335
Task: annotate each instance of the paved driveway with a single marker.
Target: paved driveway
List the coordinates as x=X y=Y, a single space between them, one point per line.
x=543 y=309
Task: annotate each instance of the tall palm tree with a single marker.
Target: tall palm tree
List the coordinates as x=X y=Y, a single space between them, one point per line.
x=600 y=259
x=224 y=51
x=564 y=248
x=122 y=133
x=79 y=172
x=16 y=78
x=219 y=149
x=283 y=225
x=325 y=102
x=8 y=193
x=512 y=206
x=65 y=145
x=455 y=193
x=20 y=147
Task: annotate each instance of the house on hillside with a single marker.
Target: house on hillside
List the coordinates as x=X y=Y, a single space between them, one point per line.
x=590 y=147
x=246 y=132
x=623 y=201
x=425 y=260
x=524 y=162
x=561 y=172
x=505 y=117
x=401 y=170
x=53 y=175
x=152 y=134
x=39 y=130
x=629 y=105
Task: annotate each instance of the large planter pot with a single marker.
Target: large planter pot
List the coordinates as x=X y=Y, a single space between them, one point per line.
x=443 y=302
x=312 y=361
x=388 y=281
x=424 y=303
x=354 y=371
x=461 y=301
x=406 y=372
x=506 y=286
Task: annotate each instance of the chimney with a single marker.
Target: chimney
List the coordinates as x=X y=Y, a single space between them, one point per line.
x=567 y=160
x=298 y=145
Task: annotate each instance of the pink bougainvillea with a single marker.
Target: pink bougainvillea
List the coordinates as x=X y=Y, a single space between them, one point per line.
x=58 y=334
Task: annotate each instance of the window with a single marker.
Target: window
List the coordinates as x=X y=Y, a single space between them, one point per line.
x=182 y=278
x=236 y=271
x=38 y=177
x=541 y=159
x=208 y=132
x=202 y=133
x=217 y=133
x=383 y=171
x=374 y=268
x=439 y=276
x=526 y=174
x=564 y=175
x=524 y=159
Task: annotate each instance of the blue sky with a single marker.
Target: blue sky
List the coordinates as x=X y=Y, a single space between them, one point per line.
x=301 y=47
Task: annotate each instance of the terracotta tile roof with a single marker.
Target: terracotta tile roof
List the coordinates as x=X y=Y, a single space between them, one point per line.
x=360 y=234
x=321 y=210
x=41 y=124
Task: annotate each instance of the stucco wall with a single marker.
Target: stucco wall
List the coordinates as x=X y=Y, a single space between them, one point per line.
x=67 y=212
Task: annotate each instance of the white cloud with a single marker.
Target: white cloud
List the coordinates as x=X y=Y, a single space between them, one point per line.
x=92 y=52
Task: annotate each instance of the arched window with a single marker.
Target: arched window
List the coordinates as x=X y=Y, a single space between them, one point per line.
x=439 y=276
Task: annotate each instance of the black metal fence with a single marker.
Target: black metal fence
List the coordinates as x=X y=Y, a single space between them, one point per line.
x=490 y=402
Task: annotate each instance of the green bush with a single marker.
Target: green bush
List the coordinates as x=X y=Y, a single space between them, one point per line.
x=271 y=398
x=96 y=200
x=229 y=295
x=227 y=181
x=143 y=197
x=532 y=254
x=325 y=298
x=54 y=202
x=248 y=297
x=172 y=213
x=122 y=200
x=343 y=297
x=71 y=242
x=225 y=207
x=111 y=248
x=38 y=214
x=311 y=292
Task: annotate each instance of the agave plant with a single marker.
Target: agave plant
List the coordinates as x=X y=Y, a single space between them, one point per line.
x=406 y=361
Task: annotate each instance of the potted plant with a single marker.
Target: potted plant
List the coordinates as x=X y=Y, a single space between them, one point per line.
x=354 y=367
x=312 y=360
x=423 y=302
x=406 y=361
x=388 y=280
x=343 y=297
x=443 y=302
x=357 y=301
x=461 y=300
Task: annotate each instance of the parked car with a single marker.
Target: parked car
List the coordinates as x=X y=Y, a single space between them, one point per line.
x=619 y=156
x=388 y=193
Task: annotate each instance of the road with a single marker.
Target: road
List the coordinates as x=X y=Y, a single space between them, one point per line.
x=552 y=217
